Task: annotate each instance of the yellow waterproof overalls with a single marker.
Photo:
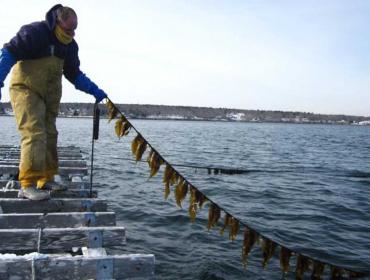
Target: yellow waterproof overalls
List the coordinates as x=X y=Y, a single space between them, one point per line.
x=35 y=92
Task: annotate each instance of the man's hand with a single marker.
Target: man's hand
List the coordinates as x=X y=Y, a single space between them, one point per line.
x=99 y=95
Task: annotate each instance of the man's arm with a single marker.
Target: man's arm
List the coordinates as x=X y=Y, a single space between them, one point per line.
x=73 y=74
x=85 y=84
x=6 y=63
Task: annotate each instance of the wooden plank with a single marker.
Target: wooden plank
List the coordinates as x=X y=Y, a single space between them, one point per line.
x=63 y=171
x=54 y=194
x=9 y=169
x=15 y=205
x=62 y=163
x=59 y=158
x=57 y=220
x=130 y=266
x=68 y=184
x=17 y=152
x=60 y=154
x=13 y=240
x=13 y=267
x=60 y=148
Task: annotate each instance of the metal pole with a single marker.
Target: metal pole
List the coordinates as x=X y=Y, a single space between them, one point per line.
x=95 y=136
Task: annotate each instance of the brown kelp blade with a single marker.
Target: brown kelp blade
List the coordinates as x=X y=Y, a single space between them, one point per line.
x=285 y=255
x=303 y=265
x=227 y=220
x=201 y=198
x=140 y=150
x=234 y=228
x=180 y=192
x=125 y=129
x=167 y=190
x=268 y=249
x=193 y=203
x=122 y=127
x=168 y=172
x=154 y=162
x=336 y=272
x=112 y=110
x=214 y=214
x=250 y=238
x=136 y=143
x=170 y=177
x=318 y=270
x=174 y=178
x=118 y=127
x=193 y=208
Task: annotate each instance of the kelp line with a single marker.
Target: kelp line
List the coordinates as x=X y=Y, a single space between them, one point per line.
x=182 y=187
x=210 y=169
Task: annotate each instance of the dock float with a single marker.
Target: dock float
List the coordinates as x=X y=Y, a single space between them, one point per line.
x=66 y=237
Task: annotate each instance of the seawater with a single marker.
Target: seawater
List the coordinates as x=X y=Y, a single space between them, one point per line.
x=308 y=188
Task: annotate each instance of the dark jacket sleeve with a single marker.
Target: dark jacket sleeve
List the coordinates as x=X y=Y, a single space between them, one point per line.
x=71 y=67
x=28 y=42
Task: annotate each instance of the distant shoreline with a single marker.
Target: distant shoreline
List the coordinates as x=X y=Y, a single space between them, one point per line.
x=205 y=120
x=188 y=113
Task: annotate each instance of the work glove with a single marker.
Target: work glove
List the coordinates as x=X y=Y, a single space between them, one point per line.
x=85 y=84
x=99 y=94
x=6 y=63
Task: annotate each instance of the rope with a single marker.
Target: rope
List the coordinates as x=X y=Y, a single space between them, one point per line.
x=210 y=169
x=39 y=240
x=33 y=266
x=33 y=269
x=10 y=185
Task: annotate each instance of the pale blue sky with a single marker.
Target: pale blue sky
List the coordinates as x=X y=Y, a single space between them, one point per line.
x=310 y=56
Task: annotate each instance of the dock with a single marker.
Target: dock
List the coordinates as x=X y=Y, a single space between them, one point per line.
x=66 y=237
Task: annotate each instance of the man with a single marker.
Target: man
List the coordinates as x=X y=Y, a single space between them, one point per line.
x=41 y=52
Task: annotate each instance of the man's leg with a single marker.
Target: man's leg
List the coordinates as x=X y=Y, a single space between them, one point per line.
x=52 y=110
x=51 y=166
x=29 y=111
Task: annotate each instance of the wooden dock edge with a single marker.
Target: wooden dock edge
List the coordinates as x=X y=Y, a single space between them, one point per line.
x=43 y=266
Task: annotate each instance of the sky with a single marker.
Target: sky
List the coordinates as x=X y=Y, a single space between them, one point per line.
x=287 y=55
